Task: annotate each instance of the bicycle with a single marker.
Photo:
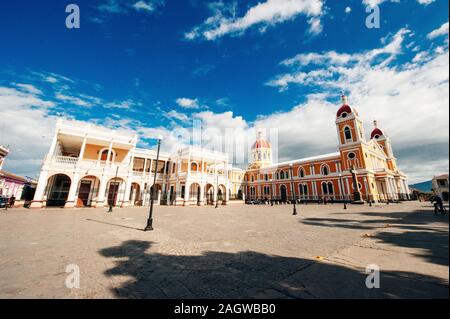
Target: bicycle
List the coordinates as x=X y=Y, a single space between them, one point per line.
x=438 y=210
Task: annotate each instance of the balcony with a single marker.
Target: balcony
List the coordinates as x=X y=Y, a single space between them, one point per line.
x=66 y=163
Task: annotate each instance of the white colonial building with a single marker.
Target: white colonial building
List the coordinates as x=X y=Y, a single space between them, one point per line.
x=89 y=166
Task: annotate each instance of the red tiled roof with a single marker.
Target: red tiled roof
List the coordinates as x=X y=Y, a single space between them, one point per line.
x=344 y=108
x=261 y=143
x=375 y=132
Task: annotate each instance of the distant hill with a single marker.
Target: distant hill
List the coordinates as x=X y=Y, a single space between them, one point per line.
x=424 y=186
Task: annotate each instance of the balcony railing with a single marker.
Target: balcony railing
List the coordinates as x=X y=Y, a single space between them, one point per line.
x=66 y=162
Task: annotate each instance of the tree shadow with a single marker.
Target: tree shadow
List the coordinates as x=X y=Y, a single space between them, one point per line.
x=138 y=273
x=420 y=229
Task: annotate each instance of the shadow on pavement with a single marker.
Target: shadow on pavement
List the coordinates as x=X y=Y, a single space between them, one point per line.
x=112 y=224
x=421 y=230
x=250 y=275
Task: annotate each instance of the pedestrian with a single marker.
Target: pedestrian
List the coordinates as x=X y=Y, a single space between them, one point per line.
x=438 y=204
x=12 y=201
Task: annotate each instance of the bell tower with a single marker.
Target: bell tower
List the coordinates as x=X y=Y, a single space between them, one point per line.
x=351 y=136
x=385 y=142
x=349 y=126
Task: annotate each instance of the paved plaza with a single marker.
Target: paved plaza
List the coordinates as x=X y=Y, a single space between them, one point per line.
x=235 y=251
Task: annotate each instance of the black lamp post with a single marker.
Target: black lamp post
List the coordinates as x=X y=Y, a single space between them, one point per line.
x=149 y=226
x=111 y=202
x=292 y=187
x=217 y=191
x=342 y=189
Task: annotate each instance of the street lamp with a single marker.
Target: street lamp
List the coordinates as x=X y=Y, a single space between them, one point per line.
x=217 y=190
x=342 y=188
x=149 y=226
x=291 y=168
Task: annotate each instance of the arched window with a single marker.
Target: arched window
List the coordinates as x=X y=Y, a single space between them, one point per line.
x=287 y=175
x=282 y=175
x=325 y=170
x=103 y=156
x=301 y=173
x=348 y=134
x=303 y=189
x=330 y=188
x=324 y=188
x=194 y=166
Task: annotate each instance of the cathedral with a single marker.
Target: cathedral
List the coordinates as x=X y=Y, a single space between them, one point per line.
x=361 y=170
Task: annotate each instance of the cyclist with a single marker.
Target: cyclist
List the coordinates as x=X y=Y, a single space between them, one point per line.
x=438 y=204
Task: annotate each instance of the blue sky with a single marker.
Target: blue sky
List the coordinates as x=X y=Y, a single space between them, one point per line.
x=152 y=66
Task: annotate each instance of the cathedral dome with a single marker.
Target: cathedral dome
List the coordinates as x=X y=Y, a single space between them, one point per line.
x=345 y=108
x=376 y=133
x=261 y=143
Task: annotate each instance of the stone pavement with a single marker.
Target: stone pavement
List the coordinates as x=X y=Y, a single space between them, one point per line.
x=235 y=251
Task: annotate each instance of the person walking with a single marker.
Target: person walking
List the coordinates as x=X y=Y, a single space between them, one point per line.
x=12 y=201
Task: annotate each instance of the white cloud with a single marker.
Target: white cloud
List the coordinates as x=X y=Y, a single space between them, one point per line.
x=72 y=100
x=442 y=30
x=425 y=2
x=224 y=21
x=112 y=6
x=188 y=103
x=27 y=127
x=373 y=3
x=127 y=104
x=124 y=6
x=143 y=6
x=174 y=115
x=28 y=88
x=337 y=64
x=409 y=100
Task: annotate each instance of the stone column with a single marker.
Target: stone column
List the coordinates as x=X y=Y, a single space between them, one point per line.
x=158 y=202
x=126 y=199
x=216 y=190
x=39 y=200
x=227 y=196
x=108 y=159
x=83 y=148
x=202 y=194
x=54 y=143
x=71 y=198
x=347 y=184
x=102 y=191
x=187 y=195
x=407 y=191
